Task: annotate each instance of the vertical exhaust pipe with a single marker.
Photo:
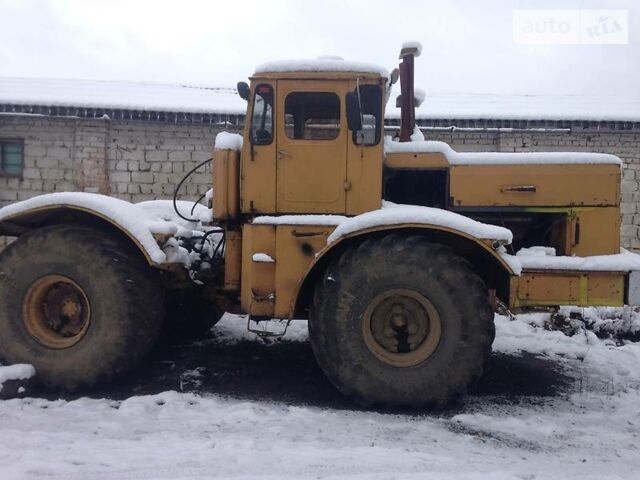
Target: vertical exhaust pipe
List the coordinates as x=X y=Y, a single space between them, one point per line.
x=406 y=100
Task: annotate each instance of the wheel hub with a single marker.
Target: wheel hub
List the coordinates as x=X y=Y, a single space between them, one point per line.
x=56 y=311
x=401 y=327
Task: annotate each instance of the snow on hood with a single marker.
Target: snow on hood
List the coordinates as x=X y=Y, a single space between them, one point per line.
x=141 y=220
x=496 y=158
x=392 y=214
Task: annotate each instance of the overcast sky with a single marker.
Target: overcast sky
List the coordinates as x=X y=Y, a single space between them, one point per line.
x=468 y=45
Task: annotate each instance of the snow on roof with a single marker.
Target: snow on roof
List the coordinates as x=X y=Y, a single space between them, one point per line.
x=149 y=96
x=491 y=106
x=325 y=64
x=497 y=158
x=146 y=96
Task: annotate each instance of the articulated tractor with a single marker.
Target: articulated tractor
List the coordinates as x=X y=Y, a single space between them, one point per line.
x=398 y=251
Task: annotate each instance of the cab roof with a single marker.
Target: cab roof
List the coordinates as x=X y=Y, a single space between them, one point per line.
x=323 y=66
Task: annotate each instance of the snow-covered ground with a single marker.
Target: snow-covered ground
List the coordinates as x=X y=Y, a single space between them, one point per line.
x=550 y=407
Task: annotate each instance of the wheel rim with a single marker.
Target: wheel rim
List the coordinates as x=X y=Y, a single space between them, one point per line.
x=401 y=327
x=56 y=311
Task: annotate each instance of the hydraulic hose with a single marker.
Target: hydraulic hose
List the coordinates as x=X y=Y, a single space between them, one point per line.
x=177 y=189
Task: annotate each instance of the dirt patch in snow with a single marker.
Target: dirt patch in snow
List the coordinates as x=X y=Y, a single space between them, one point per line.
x=512 y=377
x=286 y=371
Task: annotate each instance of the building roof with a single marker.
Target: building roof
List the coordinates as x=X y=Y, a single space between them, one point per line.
x=142 y=96
x=148 y=100
x=596 y=108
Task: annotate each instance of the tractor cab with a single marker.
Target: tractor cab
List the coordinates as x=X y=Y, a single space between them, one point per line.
x=314 y=138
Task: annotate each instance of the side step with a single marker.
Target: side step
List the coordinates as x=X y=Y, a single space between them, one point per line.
x=262 y=326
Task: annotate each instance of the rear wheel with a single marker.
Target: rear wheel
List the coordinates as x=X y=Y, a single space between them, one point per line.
x=78 y=304
x=399 y=321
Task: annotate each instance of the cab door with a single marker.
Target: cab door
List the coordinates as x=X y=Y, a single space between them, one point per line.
x=312 y=146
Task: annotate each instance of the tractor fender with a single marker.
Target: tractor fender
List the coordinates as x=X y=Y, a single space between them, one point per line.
x=101 y=211
x=490 y=265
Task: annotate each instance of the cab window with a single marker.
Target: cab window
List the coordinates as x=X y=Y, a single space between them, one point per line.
x=262 y=119
x=371 y=107
x=312 y=116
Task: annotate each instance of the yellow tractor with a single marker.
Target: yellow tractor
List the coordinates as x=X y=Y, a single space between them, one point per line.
x=397 y=250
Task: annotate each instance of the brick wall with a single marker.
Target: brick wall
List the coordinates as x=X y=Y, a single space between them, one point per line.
x=136 y=160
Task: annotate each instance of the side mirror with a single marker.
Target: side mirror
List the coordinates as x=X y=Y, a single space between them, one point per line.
x=243 y=90
x=354 y=115
x=393 y=78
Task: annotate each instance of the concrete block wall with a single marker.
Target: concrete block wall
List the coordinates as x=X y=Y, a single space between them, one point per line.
x=48 y=165
x=146 y=160
x=138 y=161
x=131 y=160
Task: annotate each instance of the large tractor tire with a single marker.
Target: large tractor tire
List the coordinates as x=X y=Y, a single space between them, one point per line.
x=398 y=321
x=78 y=304
x=190 y=316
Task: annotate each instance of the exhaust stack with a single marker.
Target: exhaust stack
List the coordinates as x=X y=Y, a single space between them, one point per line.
x=406 y=100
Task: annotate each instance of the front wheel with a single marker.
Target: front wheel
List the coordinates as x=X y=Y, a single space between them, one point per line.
x=78 y=304
x=400 y=321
